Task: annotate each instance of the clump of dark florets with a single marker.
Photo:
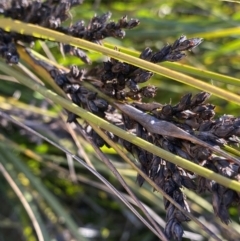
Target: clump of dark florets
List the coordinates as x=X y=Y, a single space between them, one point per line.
x=191 y=114
x=121 y=80
x=52 y=13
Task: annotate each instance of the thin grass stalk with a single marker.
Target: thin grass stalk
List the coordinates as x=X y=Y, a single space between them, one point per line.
x=114 y=190
x=123 y=155
x=122 y=181
x=47 y=195
x=11 y=177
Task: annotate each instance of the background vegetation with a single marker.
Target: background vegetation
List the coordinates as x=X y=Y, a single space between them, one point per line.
x=66 y=198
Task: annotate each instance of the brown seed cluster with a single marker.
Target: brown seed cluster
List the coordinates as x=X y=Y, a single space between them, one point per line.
x=38 y=12
x=193 y=115
x=35 y=12
x=98 y=28
x=52 y=13
x=121 y=81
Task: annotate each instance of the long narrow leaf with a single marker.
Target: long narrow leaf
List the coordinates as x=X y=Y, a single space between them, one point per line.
x=44 y=33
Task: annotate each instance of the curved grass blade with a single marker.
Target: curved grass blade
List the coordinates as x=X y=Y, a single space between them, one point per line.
x=47 y=195
x=44 y=33
x=10 y=175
